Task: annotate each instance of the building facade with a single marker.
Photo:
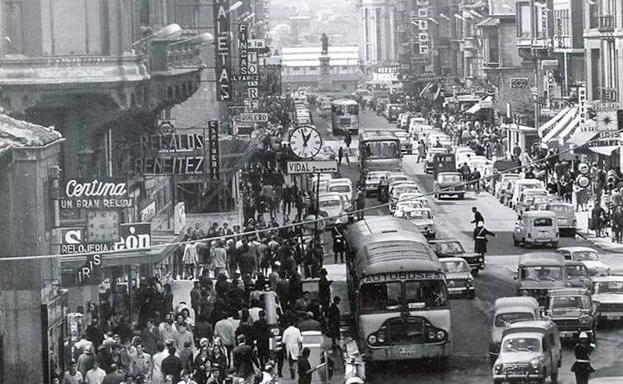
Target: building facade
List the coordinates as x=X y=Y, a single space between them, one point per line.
x=378 y=31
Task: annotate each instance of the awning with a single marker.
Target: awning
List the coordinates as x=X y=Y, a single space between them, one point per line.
x=474 y=108
x=607 y=151
x=560 y=126
x=553 y=121
x=569 y=129
x=579 y=138
x=489 y=22
x=487 y=102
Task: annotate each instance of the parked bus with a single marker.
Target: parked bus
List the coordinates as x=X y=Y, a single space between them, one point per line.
x=397 y=291
x=379 y=151
x=344 y=116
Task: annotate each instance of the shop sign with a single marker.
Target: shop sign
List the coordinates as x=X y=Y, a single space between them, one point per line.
x=252 y=69
x=170 y=154
x=253 y=117
x=214 y=156
x=243 y=37
x=88 y=272
x=582 y=107
x=134 y=237
x=148 y=212
x=605 y=107
x=95 y=194
x=223 y=50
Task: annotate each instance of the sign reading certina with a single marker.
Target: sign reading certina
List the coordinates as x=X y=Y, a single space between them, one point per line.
x=95 y=194
x=321 y=166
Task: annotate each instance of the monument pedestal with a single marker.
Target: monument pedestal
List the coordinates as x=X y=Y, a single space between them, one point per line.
x=325 y=82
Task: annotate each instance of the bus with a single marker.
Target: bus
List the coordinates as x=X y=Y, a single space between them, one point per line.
x=379 y=151
x=344 y=116
x=398 y=293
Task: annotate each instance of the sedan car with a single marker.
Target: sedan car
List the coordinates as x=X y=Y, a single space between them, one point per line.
x=421 y=217
x=458 y=277
x=415 y=197
x=342 y=186
x=608 y=295
x=396 y=176
x=372 y=181
x=587 y=256
x=397 y=190
x=448 y=184
x=332 y=206
x=406 y=144
x=444 y=248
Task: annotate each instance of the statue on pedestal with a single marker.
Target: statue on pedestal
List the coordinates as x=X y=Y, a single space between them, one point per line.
x=325 y=44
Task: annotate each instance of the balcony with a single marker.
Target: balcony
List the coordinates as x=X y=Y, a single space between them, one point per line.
x=607 y=23
x=609 y=95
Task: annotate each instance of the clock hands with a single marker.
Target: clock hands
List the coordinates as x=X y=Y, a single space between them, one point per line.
x=306 y=138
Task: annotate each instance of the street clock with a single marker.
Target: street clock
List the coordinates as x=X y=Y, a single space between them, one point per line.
x=305 y=142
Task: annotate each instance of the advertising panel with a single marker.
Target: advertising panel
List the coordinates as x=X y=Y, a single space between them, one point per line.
x=107 y=193
x=223 y=50
x=214 y=151
x=170 y=154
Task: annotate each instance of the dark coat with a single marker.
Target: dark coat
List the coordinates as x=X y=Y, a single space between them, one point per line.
x=480 y=239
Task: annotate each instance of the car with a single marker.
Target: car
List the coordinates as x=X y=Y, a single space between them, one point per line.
x=565 y=215
x=503 y=182
x=458 y=277
x=587 y=256
x=530 y=352
x=396 y=190
x=372 y=181
x=536 y=228
x=326 y=153
x=448 y=184
x=396 y=176
x=577 y=274
x=342 y=186
x=334 y=206
x=573 y=311
x=463 y=154
x=429 y=162
x=506 y=192
x=408 y=204
x=414 y=197
x=608 y=295
x=538 y=273
x=523 y=203
x=523 y=184
x=421 y=217
x=403 y=120
x=509 y=310
x=406 y=144
x=453 y=248
x=534 y=201
x=392 y=111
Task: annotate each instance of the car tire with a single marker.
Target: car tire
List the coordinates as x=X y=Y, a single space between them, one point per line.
x=437 y=197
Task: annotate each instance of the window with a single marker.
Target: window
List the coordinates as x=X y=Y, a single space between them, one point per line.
x=610 y=71
x=493 y=48
x=544 y=273
x=312 y=68
x=593 y=15
x=381 y=297
x=524 y=20
x=426 y=293
x=521 y=345
x=595 y=73
x=543 y=222
x=504 y=319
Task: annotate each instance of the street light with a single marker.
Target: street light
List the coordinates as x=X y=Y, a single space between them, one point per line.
x=235 y=6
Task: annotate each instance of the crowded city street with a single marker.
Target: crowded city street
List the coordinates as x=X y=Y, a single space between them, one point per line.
x=311 y=192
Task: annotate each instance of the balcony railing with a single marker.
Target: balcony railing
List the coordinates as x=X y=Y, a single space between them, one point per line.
x=609 y=94
x=607 y=23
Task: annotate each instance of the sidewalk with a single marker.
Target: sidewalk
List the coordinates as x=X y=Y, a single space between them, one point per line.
x=603 y=243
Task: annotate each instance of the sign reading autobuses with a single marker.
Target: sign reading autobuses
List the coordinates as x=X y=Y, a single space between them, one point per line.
x=393 y=276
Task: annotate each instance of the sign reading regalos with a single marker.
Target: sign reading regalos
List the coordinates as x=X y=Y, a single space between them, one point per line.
x=95 y=194
x=166 y=154
x=223 y=50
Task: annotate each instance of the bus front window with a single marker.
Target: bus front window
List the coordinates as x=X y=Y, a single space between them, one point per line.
x=425 y=294
x=382 y=150
x=380 y=297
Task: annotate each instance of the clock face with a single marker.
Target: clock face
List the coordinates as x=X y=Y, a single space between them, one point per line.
x=305 y=142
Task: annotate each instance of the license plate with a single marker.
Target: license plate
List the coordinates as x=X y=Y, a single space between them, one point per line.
x=543 y=234
x=408 y=350
x=567 y=334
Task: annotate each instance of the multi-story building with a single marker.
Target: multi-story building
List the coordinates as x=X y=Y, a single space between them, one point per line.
x=568 y=18
x=378 y=31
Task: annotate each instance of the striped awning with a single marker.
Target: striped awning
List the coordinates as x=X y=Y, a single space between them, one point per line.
x=561 y=126
x=543 y=129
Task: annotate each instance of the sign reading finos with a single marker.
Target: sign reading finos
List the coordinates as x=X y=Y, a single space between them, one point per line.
x=95 y=194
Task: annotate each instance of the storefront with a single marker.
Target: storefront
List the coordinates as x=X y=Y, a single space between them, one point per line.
x=519 y=135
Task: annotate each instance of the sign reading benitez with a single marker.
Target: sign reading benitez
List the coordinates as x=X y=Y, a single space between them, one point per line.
x=95 y=194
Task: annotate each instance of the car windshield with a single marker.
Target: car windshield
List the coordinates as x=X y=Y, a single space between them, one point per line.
x=422 y=294
x=451 y=247
x=449 y=179
x=329 y=203
x=585 y=256
x=609 y=287
x=504 y=319
x=576 y=271
x=418 y=214
x=405 y=205
x=454 y=266
x=383 y=150
x=541 y=273
x=543 y=222
x=561 y=209
x=339 y=188
x=426 y=293
x=516 y=344
x=566 y=302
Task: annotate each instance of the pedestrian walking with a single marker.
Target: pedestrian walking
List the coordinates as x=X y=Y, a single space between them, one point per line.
x=361 y=203
x=190 y=260
x=333 y=322
x=582 y=365
x=480 y=238
x=341 y=155
x=421 y=151
x=292 y=341
x=348 y=140
x=477 y=217
x=338 y=242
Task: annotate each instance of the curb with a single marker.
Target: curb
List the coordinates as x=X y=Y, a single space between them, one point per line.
x=613 y=249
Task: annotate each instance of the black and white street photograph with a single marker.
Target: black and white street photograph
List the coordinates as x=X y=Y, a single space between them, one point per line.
x=311 y=191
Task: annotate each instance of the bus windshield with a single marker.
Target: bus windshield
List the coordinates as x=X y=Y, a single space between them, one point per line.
x=420 y=294
x=383 y=150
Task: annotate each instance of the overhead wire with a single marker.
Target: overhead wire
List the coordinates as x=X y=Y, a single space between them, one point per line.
x=299 y=223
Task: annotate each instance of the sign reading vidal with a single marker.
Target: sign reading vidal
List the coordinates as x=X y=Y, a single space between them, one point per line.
x=223 y=50
x=96 y=194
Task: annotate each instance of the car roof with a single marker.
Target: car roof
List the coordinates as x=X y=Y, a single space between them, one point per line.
x=448 y=173
x=569 y=292
x=341 y=181
x=448 y=240
x=514 y=302
x=534 y=191
x=455 y=259
x=573 y=262
x=529 y=326
x=541 y=258
x=329 y=194
x=535 y=214
x=528 y=181
x=576 y=249
x=604 y=279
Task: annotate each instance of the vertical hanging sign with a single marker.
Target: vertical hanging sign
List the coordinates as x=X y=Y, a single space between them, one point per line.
x=223 y=50
x=582 y=107
x=243 y=46
x=214 y=151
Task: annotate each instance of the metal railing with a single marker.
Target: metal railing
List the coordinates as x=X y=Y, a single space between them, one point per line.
x=609 y=94
x=607 y=23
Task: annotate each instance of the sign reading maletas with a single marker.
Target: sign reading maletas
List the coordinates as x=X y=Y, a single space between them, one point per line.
x=95 y=194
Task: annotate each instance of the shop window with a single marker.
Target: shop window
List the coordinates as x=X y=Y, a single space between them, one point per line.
x=524 y=20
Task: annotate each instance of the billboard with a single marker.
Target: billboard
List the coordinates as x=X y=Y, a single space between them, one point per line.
x=214 y=151
x=108 y=193
x=223 y=50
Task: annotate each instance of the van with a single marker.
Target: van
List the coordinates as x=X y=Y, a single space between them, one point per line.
x=523 y=184
x=530 y=351
x=538 y=273
x=509 y=310
x=526 y=199
x=536 y=228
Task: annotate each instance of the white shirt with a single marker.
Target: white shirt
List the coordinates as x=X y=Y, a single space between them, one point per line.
x=95 y=376
x=292 y=339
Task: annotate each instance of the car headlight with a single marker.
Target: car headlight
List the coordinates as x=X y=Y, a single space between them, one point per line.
x=481 y=259
x=372 y=339
x=469 y=282
x=498 y=368
x=536 y=363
